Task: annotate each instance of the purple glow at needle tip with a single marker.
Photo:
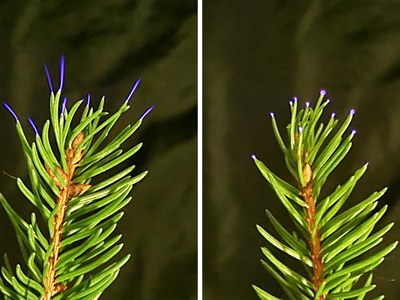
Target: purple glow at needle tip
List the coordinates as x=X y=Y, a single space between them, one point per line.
x=133 y=90
x=88 y=100
x=62 y=69
x=322 y=93
x=300 y=129
x=64 y=105
x=146 y=113
x=48 y=78
x=253 y=157
x=353 y=132
x=33 y=126
x=271 y=114
x=11 y=111
x=307 y=104
x=333 y=115
x=352 y=111
x=294 y=99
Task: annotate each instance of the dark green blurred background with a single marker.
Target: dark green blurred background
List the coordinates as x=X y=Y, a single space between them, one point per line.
x=108 y=44
x=258 y=55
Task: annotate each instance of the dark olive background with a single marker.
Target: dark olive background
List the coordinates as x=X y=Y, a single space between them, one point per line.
x=258 y=55
x=108 y=44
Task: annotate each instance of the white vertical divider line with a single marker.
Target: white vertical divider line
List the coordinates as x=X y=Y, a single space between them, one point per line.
x=199 y=149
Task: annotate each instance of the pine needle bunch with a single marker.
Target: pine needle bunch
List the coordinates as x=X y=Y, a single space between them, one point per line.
x=336 y=246
x=70 y=249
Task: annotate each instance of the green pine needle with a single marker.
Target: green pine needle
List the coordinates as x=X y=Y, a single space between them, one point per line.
x=76 y=256
x=335 y=246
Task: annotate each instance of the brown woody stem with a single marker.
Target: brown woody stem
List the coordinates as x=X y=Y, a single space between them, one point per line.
x=68 y=190
x=314 y=240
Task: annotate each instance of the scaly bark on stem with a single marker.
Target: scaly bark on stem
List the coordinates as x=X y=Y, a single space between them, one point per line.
x=314 y=243
x=68 y=190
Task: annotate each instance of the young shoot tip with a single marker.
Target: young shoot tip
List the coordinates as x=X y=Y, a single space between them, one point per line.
x=353 y=132
x=272 y=114
x=291 y=103
x=294 y=99
x=253 y=157
x=322 y=93
x=307 y=104
x=146 y=113
x=352 y=111
x=133 y=90
x=333 y=115
x=33 y=126
x=11 y=111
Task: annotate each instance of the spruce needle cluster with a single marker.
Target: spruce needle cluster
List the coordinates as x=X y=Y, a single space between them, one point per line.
x=69 y=246
x=337 y=248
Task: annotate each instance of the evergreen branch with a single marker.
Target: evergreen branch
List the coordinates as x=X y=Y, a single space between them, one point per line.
x=74 y=255
x=338 y=246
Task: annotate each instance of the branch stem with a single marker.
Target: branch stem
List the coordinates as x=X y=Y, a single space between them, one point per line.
x=314 y=236
x=68 y=190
